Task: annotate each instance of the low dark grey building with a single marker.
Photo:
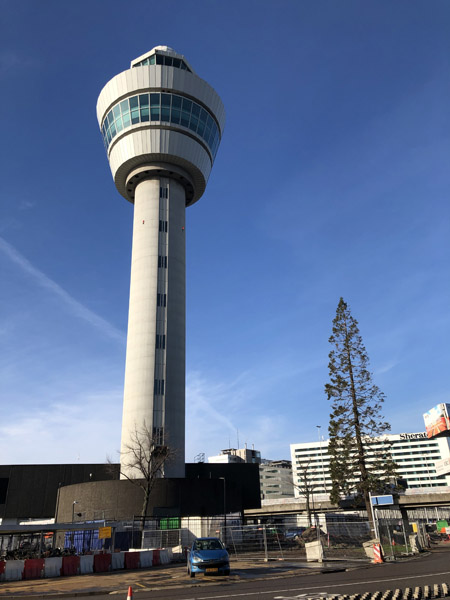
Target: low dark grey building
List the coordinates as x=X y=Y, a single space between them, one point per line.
x=87 y=492
x=31 y=491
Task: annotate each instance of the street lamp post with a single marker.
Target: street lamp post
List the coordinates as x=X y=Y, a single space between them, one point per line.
x=73 y=509
x=321 y=458
x=224 y=510
x=73 y=518
x=57 y=506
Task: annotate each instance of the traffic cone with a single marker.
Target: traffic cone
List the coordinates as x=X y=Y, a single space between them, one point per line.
x=377 y=554
x=130 y=593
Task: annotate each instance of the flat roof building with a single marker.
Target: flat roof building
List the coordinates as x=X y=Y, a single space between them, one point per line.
x=420 y=461
x=275 y=476
x=231 y=455
x=275 y=479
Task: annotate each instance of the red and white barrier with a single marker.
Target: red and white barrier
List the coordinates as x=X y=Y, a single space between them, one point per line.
x=132 y=560
x=14 y=570
x=53 y=566
x=70 y=565
x=117 y=561
x=86 y=564
x=146 y=557
x=102 y=563
x=35 y=568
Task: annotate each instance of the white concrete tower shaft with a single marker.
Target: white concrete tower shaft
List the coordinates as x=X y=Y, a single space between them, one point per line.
x=155 y=363
x=161 y=125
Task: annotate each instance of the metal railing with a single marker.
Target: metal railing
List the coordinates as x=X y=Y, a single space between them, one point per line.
x=286 y=539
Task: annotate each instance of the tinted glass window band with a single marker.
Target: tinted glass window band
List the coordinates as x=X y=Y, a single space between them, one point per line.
x=192 y=116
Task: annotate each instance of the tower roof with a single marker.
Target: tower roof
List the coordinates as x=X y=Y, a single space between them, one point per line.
x=145 y=59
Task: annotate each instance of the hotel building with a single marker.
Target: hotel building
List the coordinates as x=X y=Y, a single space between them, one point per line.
x=422 y=462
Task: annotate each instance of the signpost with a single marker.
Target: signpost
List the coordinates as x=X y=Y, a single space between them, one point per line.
x=381 y=500
x=104 y=533
x=442 y=466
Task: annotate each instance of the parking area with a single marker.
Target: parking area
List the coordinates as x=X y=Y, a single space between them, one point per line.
x=156 y=577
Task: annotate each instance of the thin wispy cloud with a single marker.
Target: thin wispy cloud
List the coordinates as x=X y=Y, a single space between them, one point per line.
x=386 y=367
x=9 y=223
x=61 y=432
x=76 y=308
x=215 y=419
x=11 y=60
x=26 y=204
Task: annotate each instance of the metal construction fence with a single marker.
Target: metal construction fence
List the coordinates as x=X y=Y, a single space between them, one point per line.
x=342 y=535
x=396 y=541
x=285 y=541
x=278 y=541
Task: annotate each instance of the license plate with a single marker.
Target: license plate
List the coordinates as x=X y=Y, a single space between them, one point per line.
x=212 y=570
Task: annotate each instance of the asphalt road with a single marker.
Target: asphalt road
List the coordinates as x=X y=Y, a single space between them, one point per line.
x=420 y=571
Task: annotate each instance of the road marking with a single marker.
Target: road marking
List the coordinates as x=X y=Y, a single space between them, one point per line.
x=309 y=596
x=318 y=587
x=317 y=594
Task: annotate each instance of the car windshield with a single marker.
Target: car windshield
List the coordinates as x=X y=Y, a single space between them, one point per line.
x=208 y=545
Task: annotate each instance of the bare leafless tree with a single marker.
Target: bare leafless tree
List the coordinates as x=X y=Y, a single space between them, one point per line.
x=306 y=486
x=142 y=462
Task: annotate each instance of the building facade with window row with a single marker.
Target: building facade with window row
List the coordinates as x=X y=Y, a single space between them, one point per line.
x=275 y=479
x=275 y=476
x=419 y=461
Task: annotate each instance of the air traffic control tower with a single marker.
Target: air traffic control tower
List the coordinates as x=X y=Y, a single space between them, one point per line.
x=161 y=125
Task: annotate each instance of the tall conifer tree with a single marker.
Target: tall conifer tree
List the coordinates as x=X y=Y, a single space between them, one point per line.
x=356 y=417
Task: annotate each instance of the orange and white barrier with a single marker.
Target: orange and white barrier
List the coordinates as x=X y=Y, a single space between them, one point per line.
x=130 y=593
x=377 y=554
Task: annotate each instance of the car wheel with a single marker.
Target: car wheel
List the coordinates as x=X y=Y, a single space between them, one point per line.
x=226 y=572
x=191 y=574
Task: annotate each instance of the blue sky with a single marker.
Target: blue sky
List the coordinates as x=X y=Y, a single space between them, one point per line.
x=332 y=180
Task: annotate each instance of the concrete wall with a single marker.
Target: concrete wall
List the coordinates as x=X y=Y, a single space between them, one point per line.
x=30 y=491
x=198 y=496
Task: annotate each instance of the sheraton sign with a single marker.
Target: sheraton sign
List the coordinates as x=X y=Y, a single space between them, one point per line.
x=413 y=436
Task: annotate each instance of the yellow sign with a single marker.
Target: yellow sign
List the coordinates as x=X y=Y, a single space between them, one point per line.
x=104 y=533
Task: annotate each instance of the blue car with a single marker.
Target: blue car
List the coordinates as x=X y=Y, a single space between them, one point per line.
x=208 y=555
